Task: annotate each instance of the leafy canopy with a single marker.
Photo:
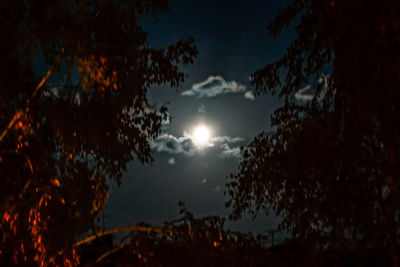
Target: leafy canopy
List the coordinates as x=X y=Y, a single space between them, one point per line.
x=61 y=140
x=330 y=170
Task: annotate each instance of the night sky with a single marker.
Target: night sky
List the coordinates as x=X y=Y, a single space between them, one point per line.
x=232 y=41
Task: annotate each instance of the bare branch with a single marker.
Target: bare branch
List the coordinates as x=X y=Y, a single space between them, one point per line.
x=18 y=114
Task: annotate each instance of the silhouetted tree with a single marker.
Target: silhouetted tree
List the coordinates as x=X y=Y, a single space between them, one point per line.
x=188 y=241
x=205 y=241
x=330 y=169
x=59 y=144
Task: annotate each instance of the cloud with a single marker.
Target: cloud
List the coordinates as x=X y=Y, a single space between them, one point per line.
x=229 y=152
x=226 y=139
x=184 y=145
x=249 y=95
x=213 y=86
x=174 y=145
x=307 y=93
x=217 y=188
x=165 y=120
x=171 y=161
x=147 y=111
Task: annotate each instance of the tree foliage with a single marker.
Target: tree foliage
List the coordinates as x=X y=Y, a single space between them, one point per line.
x=330 y=169
x=188 y=241
x=60 y=143
x=191 y=241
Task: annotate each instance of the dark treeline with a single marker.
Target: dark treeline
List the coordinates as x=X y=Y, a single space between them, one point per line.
x=330 y=170
x=60 y=143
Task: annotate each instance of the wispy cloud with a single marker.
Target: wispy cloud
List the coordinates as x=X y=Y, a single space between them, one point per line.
x=217 y=188
x=226 y=139
x=147 y=111
x=222 y=145
x=304 y=94
x=308 y=92
x=229 y=152
x=249 y=95
x=213 y=86
x=174 y=145
x=166 y=118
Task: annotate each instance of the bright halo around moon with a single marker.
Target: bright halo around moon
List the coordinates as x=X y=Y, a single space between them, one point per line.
x=201 y=136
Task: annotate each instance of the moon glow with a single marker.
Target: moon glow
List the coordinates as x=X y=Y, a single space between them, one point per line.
x=201 y=136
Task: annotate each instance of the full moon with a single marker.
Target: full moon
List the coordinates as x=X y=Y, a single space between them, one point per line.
x=201 y=135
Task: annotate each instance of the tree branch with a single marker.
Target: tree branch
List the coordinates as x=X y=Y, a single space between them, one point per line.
x=18 y=114
x=120 y=230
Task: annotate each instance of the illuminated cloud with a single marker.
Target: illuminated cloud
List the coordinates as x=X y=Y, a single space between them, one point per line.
x=174 y=145
x=226 y=139
x=171 y=161
x=304 y=94
x=249 y=95
x=213 y=86
x=184 y=145
x=165 y=118
x=229 y=152
x=307 y=93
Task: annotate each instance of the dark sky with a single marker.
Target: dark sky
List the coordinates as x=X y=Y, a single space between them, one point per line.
x=232 y=41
